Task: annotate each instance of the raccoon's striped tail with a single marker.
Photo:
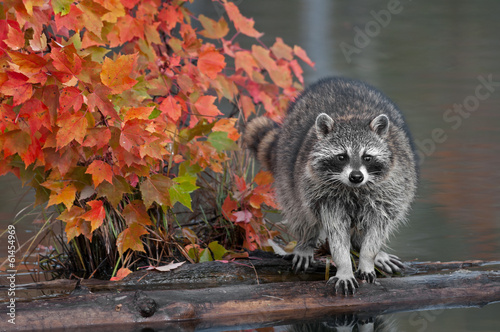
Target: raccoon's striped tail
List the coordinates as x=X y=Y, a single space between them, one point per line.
x=261 y=137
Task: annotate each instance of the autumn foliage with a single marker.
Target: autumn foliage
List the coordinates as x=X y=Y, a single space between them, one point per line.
x=113 y=111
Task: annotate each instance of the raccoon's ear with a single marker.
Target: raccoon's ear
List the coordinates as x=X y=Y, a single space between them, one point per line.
x=324 y=125
x=380 y=125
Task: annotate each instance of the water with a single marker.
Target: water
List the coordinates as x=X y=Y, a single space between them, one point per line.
x=430 y=57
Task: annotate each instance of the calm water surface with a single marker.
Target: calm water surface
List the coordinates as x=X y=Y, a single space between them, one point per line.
x=433 y=59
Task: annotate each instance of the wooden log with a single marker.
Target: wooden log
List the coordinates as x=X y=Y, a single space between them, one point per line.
x=270 y=303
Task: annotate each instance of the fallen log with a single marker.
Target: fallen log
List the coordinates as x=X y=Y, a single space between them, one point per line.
x=241 y=304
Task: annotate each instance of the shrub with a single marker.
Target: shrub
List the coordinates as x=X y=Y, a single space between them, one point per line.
x=113 y=112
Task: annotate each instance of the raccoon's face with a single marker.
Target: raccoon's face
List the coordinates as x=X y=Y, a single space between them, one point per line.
x=350 y=152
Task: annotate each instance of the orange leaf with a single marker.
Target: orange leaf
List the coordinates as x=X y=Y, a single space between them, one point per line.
x=205 y=106
x=247 y=105
x=100 y=171
x=241 y=23
x=227 y=125
x=245 y=60
x=263 y=178
x=61 y=192
x=96 y=214
x=142 y=113
x=282 y=50
x=171 y=107
x=130 y=238
x=66 y=60
x=28 y=63
x=155 y=189
x=15 y=37
x=280 y=75
x=115 y=73
x=299 y=51
x=135 y=212
x=213 y=30
x=211 y=62
x=15 y=141
x=120 y=274
x=297 y=70
x=72 y=127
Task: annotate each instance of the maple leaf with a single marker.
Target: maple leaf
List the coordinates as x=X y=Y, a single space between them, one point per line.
x=15 y=37
x=228 y=207
x=99 y=98
x=241 y=23
x=130 y=238
x=37 y=114
x=96 y=214
x=282 y=50
x=115 y=74
x=61 y=192
x=279 y=74
x=247 y=105
x=213 y=29
x=70 y=97
x=17 y=86
x=61 y=6
x=120 y=274
x=72 y=127
x=92 y=13
x=28 y=63
x=299 y=51
x=114 y=192
x=66 y=60
x=97 y=137
x=171 y=108
x=100 y=171
x=263 y=178
x=221 y=142
x=211 y=62
x=135 y=212
x=181 y=188
x=156 y=189
x=142 y=113
x=246 y=61
x=15 y=141
x=205 y=106
x=227 y=125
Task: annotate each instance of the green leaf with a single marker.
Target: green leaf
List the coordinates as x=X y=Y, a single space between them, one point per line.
x=218 y=251
x=181 y=189
x=61 y=6
x=206 y=256
x=156 y=112
x=221 y=142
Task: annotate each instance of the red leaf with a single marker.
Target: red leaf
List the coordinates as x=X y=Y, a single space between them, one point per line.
x=243 y=216
x=96 y=214
x=17 y=86
x=211 y=62
x=97 y=137
x=228 y=207
x=241 y=23
x=28 y=63
x=37 y=115
x=100 y=171
x=299 y=51
x=15 y=37
x=205 y=106
x=70 y=97
x=66 y=60
x=15 y=141
x=99 y=98
x=115 y=74
x=130 y=238
x=120 y=274
x=170 y=107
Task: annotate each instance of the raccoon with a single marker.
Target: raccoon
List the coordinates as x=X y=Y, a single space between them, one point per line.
x=345 y=169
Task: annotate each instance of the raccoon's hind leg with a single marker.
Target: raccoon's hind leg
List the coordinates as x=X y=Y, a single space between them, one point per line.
x=388 y=263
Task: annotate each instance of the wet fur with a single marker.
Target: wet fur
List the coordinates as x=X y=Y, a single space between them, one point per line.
x=332 y=117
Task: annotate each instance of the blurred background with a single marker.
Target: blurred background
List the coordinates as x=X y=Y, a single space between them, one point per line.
x=440 y=62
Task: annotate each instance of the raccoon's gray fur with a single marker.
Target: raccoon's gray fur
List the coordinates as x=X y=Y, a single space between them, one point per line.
x=345 y=169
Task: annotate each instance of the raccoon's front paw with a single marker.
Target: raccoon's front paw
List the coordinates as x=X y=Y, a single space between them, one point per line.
x=388 y=263
x=369 y=276
x=344 y=284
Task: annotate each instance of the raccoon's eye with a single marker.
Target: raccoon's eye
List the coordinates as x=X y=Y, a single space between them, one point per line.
x=367 y=158
x=341 y=157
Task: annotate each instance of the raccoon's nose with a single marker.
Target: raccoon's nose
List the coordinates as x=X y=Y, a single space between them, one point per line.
x=356 y=177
